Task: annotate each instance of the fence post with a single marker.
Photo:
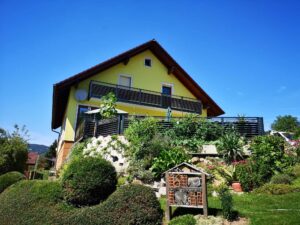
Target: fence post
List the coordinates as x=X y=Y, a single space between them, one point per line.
x=95 y=128
x=204 y=194
x=120 y=124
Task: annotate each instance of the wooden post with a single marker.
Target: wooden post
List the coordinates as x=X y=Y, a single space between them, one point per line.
x=95 y=128
x=168 y=209
x=204 y=195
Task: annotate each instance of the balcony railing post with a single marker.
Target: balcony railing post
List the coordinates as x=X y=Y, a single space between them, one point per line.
x=140 y=96
x=116 y=91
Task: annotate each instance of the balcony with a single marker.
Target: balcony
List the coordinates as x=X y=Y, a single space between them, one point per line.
x=145 y=97
x=90 y=127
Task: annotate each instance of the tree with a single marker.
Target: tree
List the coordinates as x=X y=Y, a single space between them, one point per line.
x=286 y=123
x=51 y=153
x=108 y=106
x=13 y=149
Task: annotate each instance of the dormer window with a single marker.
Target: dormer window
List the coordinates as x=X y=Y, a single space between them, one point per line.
x=148 y=62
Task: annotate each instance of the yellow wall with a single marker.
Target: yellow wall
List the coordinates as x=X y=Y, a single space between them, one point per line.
x=150 y=78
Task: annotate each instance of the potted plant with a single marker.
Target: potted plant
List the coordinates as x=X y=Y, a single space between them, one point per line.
x=229 y=173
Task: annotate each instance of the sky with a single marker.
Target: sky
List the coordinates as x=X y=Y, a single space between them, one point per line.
x=244 y=54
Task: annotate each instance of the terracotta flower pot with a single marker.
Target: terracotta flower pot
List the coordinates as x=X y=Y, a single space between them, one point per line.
x=236 y=186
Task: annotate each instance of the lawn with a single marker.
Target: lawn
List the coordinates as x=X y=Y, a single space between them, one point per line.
x=262 y=209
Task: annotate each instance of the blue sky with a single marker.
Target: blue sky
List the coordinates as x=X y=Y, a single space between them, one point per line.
x=244 y=54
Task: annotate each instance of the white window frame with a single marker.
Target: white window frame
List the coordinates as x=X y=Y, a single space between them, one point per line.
x=125 y=75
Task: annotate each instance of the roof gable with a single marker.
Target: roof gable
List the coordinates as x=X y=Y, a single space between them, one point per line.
x=186 y=167
x=61 y=90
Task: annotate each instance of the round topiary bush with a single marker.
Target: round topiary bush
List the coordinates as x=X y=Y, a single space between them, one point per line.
x=10 y=178
x=129 y=204
x=87 y=181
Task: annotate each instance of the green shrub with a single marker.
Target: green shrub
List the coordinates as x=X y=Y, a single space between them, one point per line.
x=77 y=150
x=296 y=170
x=87 y=181
x=130 y=204
x=137 y=169
x=276 y=189
x=226 y=203
x=245 y=176
x=268 y=150
x=33 y=203
x=191 y=132
x=40 y=202
x=230 y=146
x=281 y=179
x=183 y=220
x=167 y=159
x=10 y=178
x=140 y=134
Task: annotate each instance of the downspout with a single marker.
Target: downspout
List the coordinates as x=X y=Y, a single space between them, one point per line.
x=57 y=145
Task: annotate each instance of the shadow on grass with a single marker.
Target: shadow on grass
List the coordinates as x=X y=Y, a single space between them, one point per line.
x=193 y=211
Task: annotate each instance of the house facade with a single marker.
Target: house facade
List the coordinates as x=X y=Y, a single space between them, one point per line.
x=146 y=81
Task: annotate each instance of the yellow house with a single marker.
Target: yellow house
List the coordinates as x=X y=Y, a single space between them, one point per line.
x=146 y=81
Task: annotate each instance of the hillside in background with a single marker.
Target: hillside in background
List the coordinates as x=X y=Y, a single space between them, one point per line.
x=41 y=149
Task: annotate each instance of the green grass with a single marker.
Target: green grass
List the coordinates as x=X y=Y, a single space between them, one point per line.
x=261 y=209
x=265 y=209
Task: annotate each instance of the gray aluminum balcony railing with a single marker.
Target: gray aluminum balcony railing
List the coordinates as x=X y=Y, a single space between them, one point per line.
x=145 y=97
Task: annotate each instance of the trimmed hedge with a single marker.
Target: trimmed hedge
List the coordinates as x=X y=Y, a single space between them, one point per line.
x=40 y=202
x=10 y=178
x=281 y=179
x=87 y=181
x=183 y=220
x=130 y=205
x=33 y=203
x=277 y=189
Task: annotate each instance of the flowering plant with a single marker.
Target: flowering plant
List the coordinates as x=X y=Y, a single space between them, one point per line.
x=111 y=148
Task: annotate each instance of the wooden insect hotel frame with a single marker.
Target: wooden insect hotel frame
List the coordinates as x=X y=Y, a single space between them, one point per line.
x=186 y=187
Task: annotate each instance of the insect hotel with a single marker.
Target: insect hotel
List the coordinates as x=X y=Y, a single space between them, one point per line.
x=186 y=187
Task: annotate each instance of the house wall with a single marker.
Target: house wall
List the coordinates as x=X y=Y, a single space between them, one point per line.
x=150 y=78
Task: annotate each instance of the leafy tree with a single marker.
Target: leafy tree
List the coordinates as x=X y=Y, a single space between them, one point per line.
x=51 y=153
x=13 y=149
x=108 y=106
x=286 y=123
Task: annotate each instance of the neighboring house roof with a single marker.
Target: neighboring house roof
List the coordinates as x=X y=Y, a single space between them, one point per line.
x=32 y=157
x=61 y=90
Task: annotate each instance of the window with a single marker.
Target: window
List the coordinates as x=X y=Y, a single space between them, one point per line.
x=148 y=62
x=80 y=113
x=125 y=81
x=166 y=90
